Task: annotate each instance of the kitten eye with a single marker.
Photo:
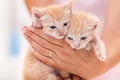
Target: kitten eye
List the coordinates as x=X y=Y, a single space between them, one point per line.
x=83 y=38
x=70 y=38
x=65 y=24
x=52 y=27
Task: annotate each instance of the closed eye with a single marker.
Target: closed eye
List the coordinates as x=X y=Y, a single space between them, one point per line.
x=70 y=38
x=52 y=27
x=83 y=38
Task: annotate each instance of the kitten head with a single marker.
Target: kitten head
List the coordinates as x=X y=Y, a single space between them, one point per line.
x=82 y=29
x=54 y=19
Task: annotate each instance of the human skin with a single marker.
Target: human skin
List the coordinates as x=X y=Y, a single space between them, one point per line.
x=37 y=3
x=79 y=62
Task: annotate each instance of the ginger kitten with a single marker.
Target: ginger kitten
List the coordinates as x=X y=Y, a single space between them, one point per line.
x=53 y=20
x=82 y=34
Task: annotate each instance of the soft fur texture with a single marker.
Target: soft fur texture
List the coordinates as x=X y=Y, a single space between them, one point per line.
x=54 y=21
x=82 y=33
x=57 y=16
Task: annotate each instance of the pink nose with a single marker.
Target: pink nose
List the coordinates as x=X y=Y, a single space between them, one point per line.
x=76 y=46
x=61 y=33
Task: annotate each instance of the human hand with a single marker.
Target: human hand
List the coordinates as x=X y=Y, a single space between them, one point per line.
x=63 y=57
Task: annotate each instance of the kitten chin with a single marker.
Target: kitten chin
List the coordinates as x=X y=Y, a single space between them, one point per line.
x=77 y=48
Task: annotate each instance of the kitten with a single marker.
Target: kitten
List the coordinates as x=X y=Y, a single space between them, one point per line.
x=82 y=34
x=54 y=20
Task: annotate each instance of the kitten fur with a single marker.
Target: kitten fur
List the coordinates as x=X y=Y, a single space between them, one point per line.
x=54 y=21
x=82 y=34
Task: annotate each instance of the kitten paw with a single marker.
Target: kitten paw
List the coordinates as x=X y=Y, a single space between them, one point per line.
x=101 y=57
x=37 y=24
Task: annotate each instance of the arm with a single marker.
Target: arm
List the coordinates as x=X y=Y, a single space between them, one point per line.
x=37 y=3
x=111 y=33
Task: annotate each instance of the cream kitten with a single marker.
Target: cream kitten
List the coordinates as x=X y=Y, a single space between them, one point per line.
x=53 y=20
x=82 y=34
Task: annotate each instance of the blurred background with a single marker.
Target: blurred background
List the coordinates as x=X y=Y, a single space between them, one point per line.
x=13 y=15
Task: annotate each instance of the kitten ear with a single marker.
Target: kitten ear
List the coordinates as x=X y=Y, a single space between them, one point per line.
x=68 y=7
x=37 y=13
x=94 y=24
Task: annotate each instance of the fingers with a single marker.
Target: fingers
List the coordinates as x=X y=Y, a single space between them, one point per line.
x=48 y=61
x=44 y=52
x=40 y=47
x=47 y=37
x=39 y=40
x=37 y=47
x=41 y=50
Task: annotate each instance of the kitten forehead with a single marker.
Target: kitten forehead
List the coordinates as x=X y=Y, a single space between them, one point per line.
x=76 y=23
x=79 y=22
x=56 y=12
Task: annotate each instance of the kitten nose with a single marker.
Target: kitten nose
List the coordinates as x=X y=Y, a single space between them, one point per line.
x=61 y=32
x=76 y=44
